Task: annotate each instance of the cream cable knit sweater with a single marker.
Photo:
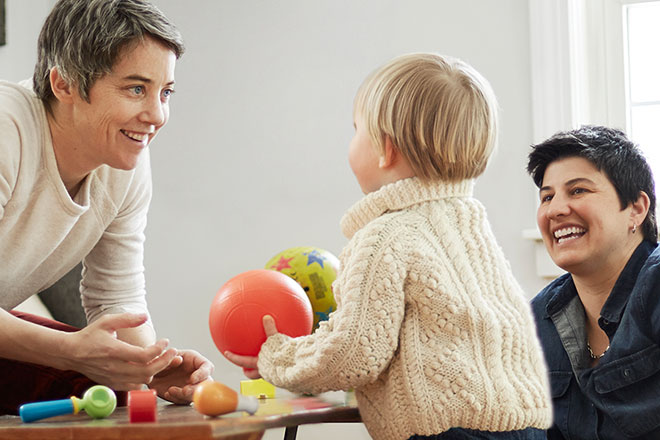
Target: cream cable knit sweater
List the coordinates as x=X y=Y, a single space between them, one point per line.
x=431 y=328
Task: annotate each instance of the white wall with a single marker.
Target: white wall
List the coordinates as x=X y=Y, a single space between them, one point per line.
x=254 y=158
x=23 y=22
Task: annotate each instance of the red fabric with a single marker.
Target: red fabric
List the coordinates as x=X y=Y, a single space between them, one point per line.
x=23 y=382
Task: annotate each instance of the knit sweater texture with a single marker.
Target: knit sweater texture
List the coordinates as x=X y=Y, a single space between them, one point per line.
x=431 y=328
x=44 y=232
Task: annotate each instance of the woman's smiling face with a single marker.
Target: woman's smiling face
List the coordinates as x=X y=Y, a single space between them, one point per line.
x=581 y=220
x=127 y=107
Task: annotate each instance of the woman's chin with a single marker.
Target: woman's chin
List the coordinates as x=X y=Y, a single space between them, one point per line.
x=569 y=261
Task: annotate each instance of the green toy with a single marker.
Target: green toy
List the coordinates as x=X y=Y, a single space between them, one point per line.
x=98 y=402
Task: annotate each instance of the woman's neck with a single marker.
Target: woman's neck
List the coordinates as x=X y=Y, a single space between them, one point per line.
x=595 y=285
x=66 y=154
x=594 y=293
x=594 y=289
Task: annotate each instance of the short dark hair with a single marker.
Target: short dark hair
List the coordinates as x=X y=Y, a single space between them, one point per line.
x=83 y=39
x=612 y=153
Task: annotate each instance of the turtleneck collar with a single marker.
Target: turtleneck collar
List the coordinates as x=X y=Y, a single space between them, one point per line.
x=399 y=195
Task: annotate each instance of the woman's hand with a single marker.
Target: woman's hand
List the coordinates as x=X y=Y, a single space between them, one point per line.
x=249 y=363
x=178 y=380
x=96 y=352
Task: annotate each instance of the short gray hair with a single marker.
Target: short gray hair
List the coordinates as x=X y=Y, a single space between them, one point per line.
x=83 y=38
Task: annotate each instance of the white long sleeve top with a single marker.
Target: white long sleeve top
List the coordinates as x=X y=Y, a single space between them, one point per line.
x=44 y=233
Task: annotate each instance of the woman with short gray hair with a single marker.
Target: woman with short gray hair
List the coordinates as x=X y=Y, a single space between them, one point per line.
x=75 y=185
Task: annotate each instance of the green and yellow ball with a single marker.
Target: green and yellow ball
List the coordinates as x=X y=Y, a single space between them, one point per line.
x=314 y=269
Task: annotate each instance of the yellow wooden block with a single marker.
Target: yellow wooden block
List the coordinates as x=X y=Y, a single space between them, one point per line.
x=258 y=388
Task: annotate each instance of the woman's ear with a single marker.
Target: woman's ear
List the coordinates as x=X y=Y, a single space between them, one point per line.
x=62 y=90
x=640 y=208
x=389 y=156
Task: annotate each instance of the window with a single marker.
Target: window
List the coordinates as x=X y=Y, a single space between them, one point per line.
x=642 y=64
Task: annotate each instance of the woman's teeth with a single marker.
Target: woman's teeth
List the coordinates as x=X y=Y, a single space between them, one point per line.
x=571 y=233
x=140 y=137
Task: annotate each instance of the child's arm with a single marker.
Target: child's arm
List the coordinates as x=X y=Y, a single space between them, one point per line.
x=359 y=340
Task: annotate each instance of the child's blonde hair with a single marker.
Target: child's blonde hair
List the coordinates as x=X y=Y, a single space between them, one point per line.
x=438 y=111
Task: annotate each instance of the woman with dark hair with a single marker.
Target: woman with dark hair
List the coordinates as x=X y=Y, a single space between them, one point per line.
x=599 y=324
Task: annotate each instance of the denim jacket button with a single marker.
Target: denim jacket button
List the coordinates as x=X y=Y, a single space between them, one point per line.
x=626 y=372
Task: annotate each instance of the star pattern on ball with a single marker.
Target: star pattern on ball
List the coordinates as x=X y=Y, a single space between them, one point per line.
x=314 y=257
x=324 y=316
x=282 y=263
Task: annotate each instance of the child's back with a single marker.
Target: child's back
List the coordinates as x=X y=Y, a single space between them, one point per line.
x=443 y=313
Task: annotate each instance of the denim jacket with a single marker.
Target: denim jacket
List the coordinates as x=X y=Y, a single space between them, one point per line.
x=619 y=398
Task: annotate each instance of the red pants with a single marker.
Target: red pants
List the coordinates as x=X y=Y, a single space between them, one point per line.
x=23 y=382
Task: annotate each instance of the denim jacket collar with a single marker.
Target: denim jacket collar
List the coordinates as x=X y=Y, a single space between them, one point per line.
x=616 y=302
x=565 y=293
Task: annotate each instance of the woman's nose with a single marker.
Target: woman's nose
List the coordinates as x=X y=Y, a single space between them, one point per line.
x=558 y=206
x=155 y=112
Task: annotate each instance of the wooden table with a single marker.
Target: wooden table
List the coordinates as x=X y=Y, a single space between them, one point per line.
x=184 y=422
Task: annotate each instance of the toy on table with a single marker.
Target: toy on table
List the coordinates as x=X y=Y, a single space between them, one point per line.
x=213 y=398
x=237 y=310
x=142 y=406
x=315 y=269
x=258 y=388
x=98 y=401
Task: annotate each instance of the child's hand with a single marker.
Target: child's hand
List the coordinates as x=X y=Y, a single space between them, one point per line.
x=249 y=363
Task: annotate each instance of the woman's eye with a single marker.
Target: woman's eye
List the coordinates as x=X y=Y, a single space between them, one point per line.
x=138 y=90
x=167 y=93
x=546 y=198
x=578 y=190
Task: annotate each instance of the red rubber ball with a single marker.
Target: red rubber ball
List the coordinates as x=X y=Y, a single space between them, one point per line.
x=237 y=310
